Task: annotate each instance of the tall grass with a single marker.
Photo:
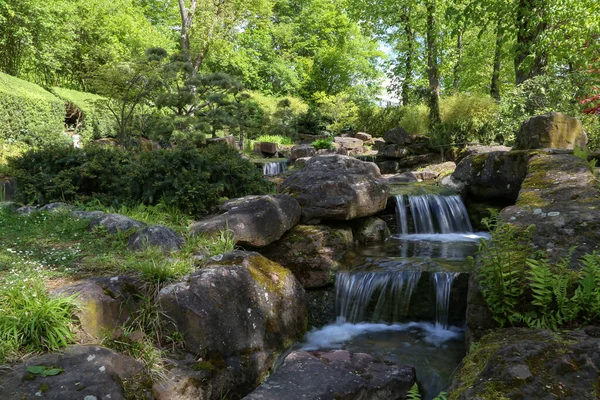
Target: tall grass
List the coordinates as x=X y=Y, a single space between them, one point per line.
x=33 y=321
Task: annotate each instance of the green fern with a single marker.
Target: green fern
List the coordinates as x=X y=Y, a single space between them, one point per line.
x=413 y=393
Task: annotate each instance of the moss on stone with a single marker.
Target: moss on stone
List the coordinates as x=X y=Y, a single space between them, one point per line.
x=262 y=269
x=531 y=199
x=478 y=162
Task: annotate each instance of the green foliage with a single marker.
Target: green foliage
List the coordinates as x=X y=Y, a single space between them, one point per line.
x=584 y=154
x=339 y=111
x=84 y=115
x=377 y=120
x=29 y=115
x=190 y=180
x=43 y=370
x=323 y=144
x=31 y=320
x=413 y=393
x=524 y=290
x=282 y=140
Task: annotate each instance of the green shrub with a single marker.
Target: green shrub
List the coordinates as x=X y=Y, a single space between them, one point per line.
x=415 y=119
x=282 y=140
x=33 y=321
x=323 y=144
x=29 y=114
x=377 y=120
x=89 y=120
x=191 y=180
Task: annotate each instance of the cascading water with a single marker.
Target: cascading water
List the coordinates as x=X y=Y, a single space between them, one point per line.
x=432 y=213
x=443 y=286
x=374 y=296
x=275 y=168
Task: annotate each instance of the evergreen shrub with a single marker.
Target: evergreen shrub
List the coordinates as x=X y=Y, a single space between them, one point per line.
x=193 y=180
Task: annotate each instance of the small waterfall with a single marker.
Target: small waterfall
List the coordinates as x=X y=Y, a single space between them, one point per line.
x=374 y=296
x=401 y=214
x=433 y=213
x=275 y=168
x=443 y=285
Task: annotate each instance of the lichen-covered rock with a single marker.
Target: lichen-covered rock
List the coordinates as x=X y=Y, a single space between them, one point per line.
x=394 y=151
x=365 y=137
x=337 y=188
x=115 y=223
x=86 y=214
x=336 y=374
x=237 y=312
x=55 y=207
x=301 y=151
x=561 y=197
x=311 y=252
x=82 y=372
x=103 y=303
x=531 y=364
x=479 y=318
x=253 y=220
x=553 y=130
x=378 y=144
x=156 y=235
x=495 y=175
x=405 y=177
x=397 y=135
x=26 y=210
x=370 y=230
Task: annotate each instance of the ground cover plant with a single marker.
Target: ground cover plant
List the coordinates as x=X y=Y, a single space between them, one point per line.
x=46 y=250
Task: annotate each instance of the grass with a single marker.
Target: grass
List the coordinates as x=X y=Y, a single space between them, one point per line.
x=43 y=250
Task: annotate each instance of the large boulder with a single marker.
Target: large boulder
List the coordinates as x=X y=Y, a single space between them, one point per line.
x=336 y=374
x=81 y=372
x=561 y=197
x=396 y=165
x=337 y=188
x=494 y=175
x=311 y=252
x=302 y=151
x=156 y=235
x=365 y=137
x=348 y=142
x=394 y=151
x=397 y=135
x=237 y=313
x=370 y=230
x=115 y=223
x=104 y=304
x=531 y=364
x=553 y=130
x=253 y=220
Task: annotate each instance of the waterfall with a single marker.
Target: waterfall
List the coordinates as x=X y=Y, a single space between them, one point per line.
x=274 y=168
x=433 y=213
x=374 y=296
x=401 y=215
x=443 y=285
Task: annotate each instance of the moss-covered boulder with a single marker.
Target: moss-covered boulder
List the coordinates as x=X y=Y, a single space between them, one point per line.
x=253 y=220
x=531 y=364
x=370 y=230
x=311 y=252
x=334 y=187
x=561 y=197
x=494 y=175
x=156 y=235
x=237 y=313
x=553 y=130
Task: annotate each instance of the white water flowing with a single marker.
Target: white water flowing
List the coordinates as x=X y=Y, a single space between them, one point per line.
x=275 y=168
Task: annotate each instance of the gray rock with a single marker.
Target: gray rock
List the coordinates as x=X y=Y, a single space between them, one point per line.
x=405 y=177
x=553 y=130
x=519 y=363
x=311 y=252
x=365 y=137
x=397 y=135
x=348 y=143
x=336 y=374
x=55 y=207
x=301 y=162
x=88 y=372
x=370 y=230
x=86 y=214
x=103 y=303
x=301 y=151
x=26 y=210
x=253 y=220
x=239 y=311
x=337 y=188
x=378 y=144
x=267 y=148
x=395 y=151
x=115 y=223
x=156 y=235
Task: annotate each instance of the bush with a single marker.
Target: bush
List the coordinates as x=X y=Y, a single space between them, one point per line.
x=377 y=120
x=87 y=118
x=192 y=180
x=323 y=144
x=29 y=114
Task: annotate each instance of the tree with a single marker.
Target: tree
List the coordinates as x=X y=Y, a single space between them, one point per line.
x=433 y=73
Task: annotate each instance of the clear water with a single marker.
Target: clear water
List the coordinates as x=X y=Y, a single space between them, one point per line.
x=275 y=168
x=433 y=352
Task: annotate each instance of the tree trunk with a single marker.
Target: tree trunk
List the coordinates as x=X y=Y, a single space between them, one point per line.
x=531 y=23
x=433 y=73
x=495 y=85
x=408 y=68
x=458 y=66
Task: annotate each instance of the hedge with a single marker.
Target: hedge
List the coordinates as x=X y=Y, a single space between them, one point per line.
x=95 y=123
x=29 y=114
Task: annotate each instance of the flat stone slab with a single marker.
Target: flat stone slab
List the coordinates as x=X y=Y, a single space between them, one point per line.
x=336 y=374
